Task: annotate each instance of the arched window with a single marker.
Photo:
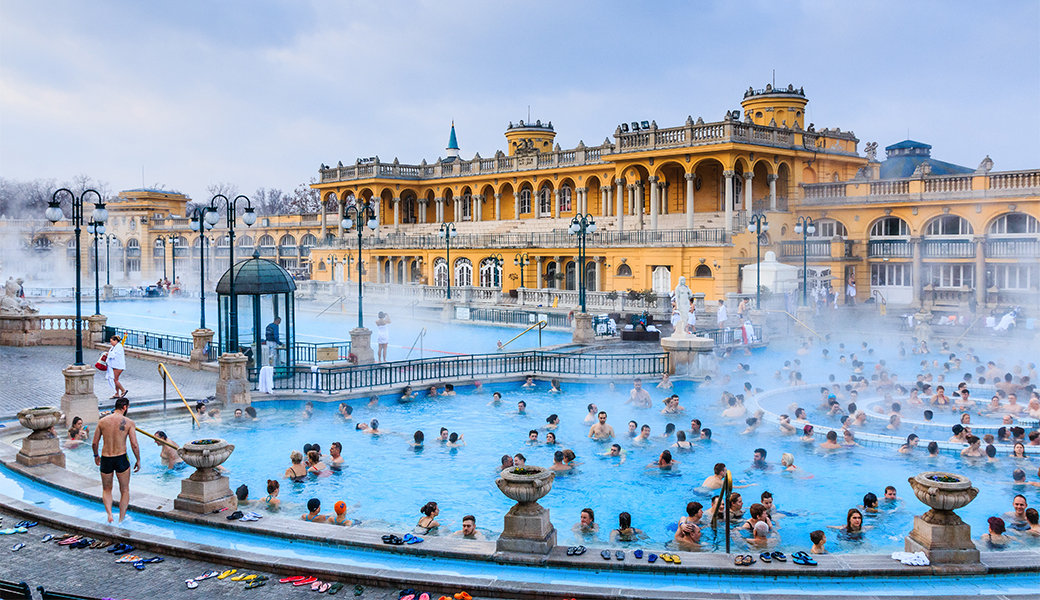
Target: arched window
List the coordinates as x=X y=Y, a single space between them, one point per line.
x=1015 y=223
x=309 y=241
x=41 y=244
x=550 y=274
x=287 y=240
x=702 y=271
x=467 y=206
x=440 y=272
x=133 y=255
x=889 y=227
x=321 y=265
x=490 y=273
x=330 y=238
x=571 y=272
x=565 y=198
x=949 y=225
x=828 y=228
x=159 y=248
x=624 y=270
x=463 y=272
x=545 y=201
x=590 y=276
x=525 y=201
x=245 y=242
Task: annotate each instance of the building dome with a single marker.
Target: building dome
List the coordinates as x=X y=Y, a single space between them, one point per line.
x=256 y=276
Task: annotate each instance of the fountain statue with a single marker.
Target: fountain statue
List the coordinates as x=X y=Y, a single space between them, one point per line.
x=688 y=355
x=12 y=303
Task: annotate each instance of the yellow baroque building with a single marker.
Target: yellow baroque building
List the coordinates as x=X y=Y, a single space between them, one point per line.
x=908 y=230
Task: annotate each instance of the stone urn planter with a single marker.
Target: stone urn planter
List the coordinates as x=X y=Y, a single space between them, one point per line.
x=940 y=533
x=527 y=530
x=205 y=490
x=42 y=445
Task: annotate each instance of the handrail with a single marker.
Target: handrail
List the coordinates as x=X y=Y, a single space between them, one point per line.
x=163 y=371
x=158 y=439
x=418 y=338
x=724 y=494
x=968 y=328
x=795 y=319
x=540 y=325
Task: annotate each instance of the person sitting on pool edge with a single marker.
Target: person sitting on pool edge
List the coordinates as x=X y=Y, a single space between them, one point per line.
x=314 y=508
x=469 y=529
x=625 y=532
x=427 y=523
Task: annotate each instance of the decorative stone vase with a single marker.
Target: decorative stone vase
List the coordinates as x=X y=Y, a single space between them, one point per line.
x=527 y=530
x=206 y=490
x=42 y=445
x=940 y=533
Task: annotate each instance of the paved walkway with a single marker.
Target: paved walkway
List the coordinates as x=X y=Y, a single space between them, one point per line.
x=32 y=376
x=94 y=573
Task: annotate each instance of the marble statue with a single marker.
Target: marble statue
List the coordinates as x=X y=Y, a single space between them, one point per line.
x=11 y=303
x=683 y=297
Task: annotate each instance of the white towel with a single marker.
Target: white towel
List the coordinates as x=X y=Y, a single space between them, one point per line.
x=917 y=559
x=267 y=380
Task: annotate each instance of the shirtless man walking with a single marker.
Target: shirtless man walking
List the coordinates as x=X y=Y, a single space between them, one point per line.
x=114 y=429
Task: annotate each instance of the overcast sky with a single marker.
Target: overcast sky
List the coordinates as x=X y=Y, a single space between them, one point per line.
x=260 y=92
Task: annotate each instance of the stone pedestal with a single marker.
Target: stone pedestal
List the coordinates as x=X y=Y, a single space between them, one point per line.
x=79 y=399
x=527 y=529
x=108 y=294
x=361 y=345
x=690 y=356
x=232 y=385
x=96 y=328
x=42 y=445
x=20 y=330
x=583 y=332
x=202 y=339
x=940 y=533
x=206 y=490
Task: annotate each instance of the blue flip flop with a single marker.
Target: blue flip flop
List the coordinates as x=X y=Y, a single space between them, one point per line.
x=638 y=554
x=652 y=557
x=17 y=547
x=411 y=539
x=765 y=557
x=605 y=554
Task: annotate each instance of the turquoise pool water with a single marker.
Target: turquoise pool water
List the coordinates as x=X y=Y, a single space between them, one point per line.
x=181 y=316
x=389 y=480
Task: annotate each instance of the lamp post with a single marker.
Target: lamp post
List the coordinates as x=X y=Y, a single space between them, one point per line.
x=521 y=260
x=200 y=224
x=805 y=226
x=582 y=226
x=108 y=262
x=96 y=229
x=758 y=225
x=448 y=231
x=496 y=279
x=359 y=212
x=100 y=215
x=164 y=249
x=248 y=217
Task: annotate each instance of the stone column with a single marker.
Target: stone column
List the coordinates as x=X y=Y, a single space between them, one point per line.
x=201 y=338
x=233 y=385
x=728 y=218
x=108 y=293
x=599 y=273
x=689 y=199
x=361 y=345
x=771 y=178
x=516 y=205
x=556 y=204
x=498 y=207
x=749 y=200
x=620 y=204
x=96 y=325
x=79 y=399
x=655 y=201
x=980 y=270
x=422 y=211
x=664 y=197
x=639 y=204
x=539 y=260
x=438 y=210
x=339 y=223
x=324 y=227
x=480 y=206
x=604 y=197
x=397 y=213
x=917 y=276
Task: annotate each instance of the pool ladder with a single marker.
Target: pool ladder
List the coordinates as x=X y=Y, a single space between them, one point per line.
x=540 y=325
x=418 y=340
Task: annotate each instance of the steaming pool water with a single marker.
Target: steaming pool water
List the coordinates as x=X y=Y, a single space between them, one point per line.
x=389 y=481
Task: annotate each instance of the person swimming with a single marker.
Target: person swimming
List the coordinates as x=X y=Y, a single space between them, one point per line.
x=296 y=472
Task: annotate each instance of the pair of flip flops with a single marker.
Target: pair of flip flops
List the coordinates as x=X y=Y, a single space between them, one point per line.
x=802 y=558
x=744 y=560
x=620 y=554
x=767 y=557
x=411 y=539
x=26 y=524
x=257 y=581
x=420 y=596
x=250 y=516
x=120 y=549
x=207 y=575
x=13 y=530
x=227 y=573
x=235 y=515
x=393 y=540
x=575 y=550
x=17 y=547
x=671 y=558
x=139 y=564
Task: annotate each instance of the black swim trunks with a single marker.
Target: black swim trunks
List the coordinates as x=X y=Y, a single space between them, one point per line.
x=117 y=464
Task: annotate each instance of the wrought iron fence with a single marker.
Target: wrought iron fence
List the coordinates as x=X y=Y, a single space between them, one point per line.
x=307 y=352
x=517 y=317
x=173 y=345
x=467 y=367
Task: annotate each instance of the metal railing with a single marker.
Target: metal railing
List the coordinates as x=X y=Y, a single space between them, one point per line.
x=307 y=352
x=553 y=239
x=467 y=367
x=173 y=345
x=516 y=317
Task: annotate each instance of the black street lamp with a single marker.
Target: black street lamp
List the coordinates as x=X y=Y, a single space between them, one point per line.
x=100 y=215
x=95 y=229
x=806 y=227
x=200 y=224
x=496 y=279
x=248 y=217
x=521 y=260
x=360 y=211
x=758 y=226
x=582 y=226
x=164 y=249
x=448 y=231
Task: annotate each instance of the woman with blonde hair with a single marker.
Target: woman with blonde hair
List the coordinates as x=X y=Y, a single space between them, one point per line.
x=296 y=472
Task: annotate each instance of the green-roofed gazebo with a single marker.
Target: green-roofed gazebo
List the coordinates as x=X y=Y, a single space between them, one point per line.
x=268 y=290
